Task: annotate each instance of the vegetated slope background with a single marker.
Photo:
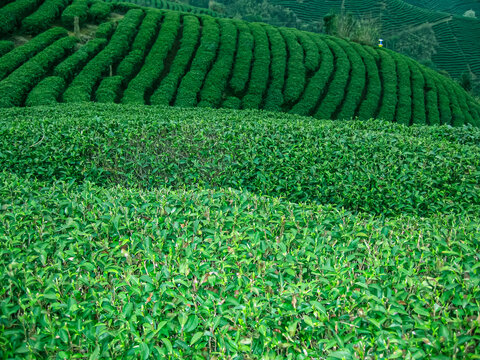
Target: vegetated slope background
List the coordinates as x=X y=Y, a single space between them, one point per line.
x=132 y=55
x=457 y=49
x=108 y=253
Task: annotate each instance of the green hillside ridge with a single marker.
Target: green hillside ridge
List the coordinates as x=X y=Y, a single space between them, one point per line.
x=371 y=167
x=172 y=58
x=107 y=254
x=458 y=7
x=457 y=51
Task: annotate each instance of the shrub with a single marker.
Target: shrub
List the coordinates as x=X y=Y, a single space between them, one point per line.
x=165 y=93
x=443 y=102
x=45 y=15
x=216 y=80
x=257 y=86
x=47 y=92
x=192 y=82
x=312 y=55
x=79 y=8
x=389 y=80
x=82 y=86
x=109 y=89
x=21 y=54
x=381 y=168
x=431 y=97
x=356 y=86
x=5 y=47
x=371 y=102
x=296 y=72
x=337 y=86
x=72 y=65
x=12 y=14
x=418 y=94
x=146 y=36
x=105 y=30
x=316 y=88
x=243 y=59
x=404 y=106
x=142 y=86
x=100 y=10
x=278 y=65
x=16 y=86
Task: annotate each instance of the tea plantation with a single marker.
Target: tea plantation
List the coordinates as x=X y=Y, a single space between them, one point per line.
x=148 y=56
x=456 y=49
x=172 y=185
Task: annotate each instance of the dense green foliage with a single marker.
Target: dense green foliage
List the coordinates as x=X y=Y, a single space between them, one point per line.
x=167 y=5
x=173 y=58
x=433 y=31
x=19 y=83
x=5 y=47
x=78 y=8
x=12 y=14
x=102 y=269
x=41 y=19
x=417 y=171
x=47 y=92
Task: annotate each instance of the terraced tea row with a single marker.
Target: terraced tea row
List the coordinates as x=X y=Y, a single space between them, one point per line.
x=458 y=49
x=35 y=16
x=170 y=58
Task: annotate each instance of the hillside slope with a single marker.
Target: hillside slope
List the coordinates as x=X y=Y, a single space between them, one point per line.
x=108 y=251
x=172 y=58
x=458 y=48
x=458 y=7
x=372 y=167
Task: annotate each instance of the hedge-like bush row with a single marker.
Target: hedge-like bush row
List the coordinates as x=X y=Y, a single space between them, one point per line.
x=296 y=72
x=165 y=93
x=257 y=85
x=162 y=4
x=21 y=54
x=337 y=87
x=109 y=89
x=82 y=86
x=462 y=103
x=356 y=86
x=142 y=86
x=216 y=81
x=6 y=46
x=99 y=10
x=389 y=81
x=318 y=84
x=312 y=55
x=78 y=8
x=19 y=83
x=370 y=103
x=443 y=102
x=432 y=105
x=418 y=94
x=243 y=60
x=278 y=66
x=143 y=42
x=47 y=91
x=12 y=14
x=369 y=166
x=72 y=65
x=457 y=116
x=105 y=30
x=404 y=106
x=45 y=15
x=192 y=82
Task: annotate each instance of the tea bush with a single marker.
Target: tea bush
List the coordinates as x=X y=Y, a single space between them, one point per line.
x=376 y=167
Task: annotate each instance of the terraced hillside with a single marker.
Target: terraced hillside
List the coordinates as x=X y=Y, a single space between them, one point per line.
x=172 y=58
x=458 y=7
x=458 y=49
x=108 y=252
